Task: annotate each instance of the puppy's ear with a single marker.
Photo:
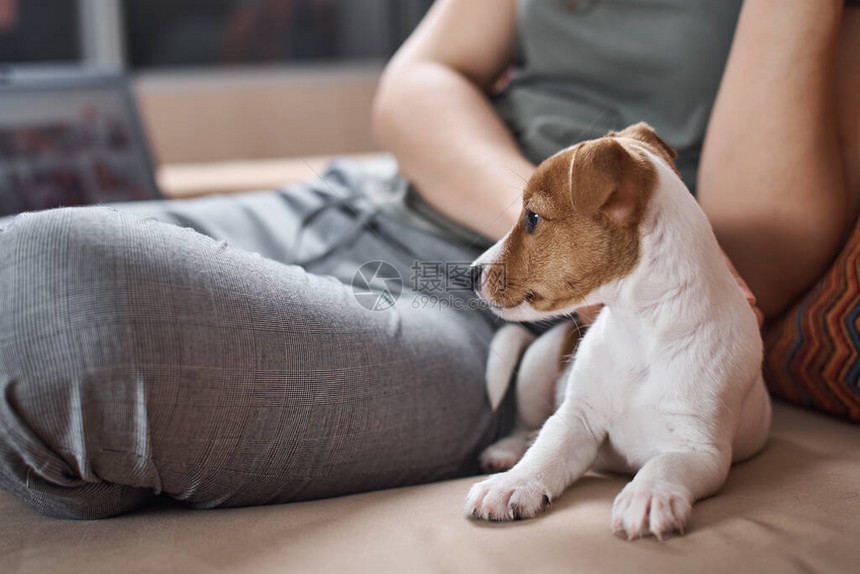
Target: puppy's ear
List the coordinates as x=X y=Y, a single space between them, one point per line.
x=646 y=134
x=606 y=180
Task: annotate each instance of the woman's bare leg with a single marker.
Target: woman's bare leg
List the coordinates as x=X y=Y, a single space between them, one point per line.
x=848 y=94
x=771 y=178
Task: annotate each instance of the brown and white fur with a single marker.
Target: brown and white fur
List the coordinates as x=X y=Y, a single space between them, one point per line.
x=667 y=382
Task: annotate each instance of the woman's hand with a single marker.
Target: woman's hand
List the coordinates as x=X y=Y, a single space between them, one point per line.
x=432 y=112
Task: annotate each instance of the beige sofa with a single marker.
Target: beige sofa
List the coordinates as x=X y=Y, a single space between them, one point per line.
x=794 y=508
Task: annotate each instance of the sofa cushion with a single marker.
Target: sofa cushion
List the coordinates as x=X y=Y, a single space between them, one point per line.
x=812 y=353
x=794 y=508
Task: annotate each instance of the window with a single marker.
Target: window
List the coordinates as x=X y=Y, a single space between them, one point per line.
x=218 y=32
x=39 y=31
x=151 y=34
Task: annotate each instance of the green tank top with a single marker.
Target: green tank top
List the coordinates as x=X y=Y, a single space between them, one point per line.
x=587 y=67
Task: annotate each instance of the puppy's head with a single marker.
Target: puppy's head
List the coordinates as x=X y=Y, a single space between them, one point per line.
x=579 y=228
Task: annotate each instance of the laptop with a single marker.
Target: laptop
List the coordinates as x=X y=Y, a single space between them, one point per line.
x=70 y=137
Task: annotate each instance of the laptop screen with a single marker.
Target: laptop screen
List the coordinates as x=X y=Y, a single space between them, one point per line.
x=70 y=140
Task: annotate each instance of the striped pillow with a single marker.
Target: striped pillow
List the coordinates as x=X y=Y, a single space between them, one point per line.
x=812 y=354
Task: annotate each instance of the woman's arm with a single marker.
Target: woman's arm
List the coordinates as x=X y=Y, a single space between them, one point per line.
x=771 y=178
x=432 y=112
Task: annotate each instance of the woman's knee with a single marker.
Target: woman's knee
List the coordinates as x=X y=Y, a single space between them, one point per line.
x=88 y=289
x=66 y=371
x=55 y=264
x=39 y=246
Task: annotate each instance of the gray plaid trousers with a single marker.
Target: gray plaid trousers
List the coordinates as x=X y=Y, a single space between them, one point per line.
x=170 y=348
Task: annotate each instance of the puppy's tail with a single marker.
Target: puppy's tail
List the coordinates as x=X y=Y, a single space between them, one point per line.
x=506 y=348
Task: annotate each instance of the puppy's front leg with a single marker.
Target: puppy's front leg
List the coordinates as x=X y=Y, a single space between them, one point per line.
x=660 y=497
x=564 y=449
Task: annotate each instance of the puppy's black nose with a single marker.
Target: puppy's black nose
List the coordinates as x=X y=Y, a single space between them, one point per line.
x=477 y=269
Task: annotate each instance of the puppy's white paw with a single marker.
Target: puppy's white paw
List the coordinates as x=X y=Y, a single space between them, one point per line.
x=507 y=497
x=503 y=455
x=641 y=510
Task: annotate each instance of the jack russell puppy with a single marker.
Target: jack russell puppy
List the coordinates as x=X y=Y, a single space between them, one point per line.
x=667 y=383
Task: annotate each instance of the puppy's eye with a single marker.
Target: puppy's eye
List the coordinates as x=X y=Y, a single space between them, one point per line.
x=532 y=220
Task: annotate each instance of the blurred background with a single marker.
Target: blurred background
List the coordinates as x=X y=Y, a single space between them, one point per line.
x=218 y=80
